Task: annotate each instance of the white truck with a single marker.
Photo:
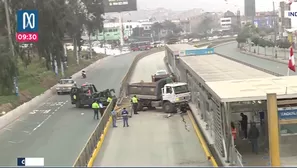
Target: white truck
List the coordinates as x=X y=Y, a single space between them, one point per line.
x=162 y=93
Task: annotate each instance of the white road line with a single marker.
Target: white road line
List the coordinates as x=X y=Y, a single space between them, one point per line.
x=27 y=132
x=20 y=120
x=39 y=125
x=7 y=129
x=16 y=142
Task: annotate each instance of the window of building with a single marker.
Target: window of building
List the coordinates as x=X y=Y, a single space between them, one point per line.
x=127 y=27
x=110 y=30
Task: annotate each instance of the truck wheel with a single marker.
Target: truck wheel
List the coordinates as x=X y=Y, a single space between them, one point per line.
x=77 y=104
x=139 y=107
x=168 y=107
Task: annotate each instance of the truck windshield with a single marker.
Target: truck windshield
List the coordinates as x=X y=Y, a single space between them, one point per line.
x=181 y=89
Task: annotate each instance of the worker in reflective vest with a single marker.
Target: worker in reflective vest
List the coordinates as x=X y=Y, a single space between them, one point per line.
x=95 y=107
x=109 y=100
x=134 y=101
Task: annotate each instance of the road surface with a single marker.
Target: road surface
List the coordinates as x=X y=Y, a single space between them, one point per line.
x=152 y=139
x=56 y=130
x=232 y=51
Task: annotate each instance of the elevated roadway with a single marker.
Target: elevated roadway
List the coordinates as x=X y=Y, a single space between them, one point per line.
x=56 y=130
x=152 y=139
x=231 y=50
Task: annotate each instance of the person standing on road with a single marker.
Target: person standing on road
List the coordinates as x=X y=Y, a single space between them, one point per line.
x=125 y=117
x=101 y=108
x=114 y=118
x=244 y=125
x=253 y=137
x=95 y=107
x=134 y=102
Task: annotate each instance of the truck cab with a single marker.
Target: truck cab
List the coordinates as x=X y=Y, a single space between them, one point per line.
x=175 y=95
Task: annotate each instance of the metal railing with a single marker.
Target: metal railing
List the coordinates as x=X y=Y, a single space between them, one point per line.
x=88 y=150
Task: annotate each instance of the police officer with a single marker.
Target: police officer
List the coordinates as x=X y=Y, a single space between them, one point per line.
x=134 y=101
x=109 y=100
x=125 y=117
x=95 y=107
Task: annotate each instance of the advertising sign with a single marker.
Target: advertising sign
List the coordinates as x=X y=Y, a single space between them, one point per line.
x=119 y=5
x=287 y=113
x=196 y=52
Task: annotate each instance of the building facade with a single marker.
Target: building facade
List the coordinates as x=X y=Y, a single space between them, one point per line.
x=226 y=22
x=112 y=31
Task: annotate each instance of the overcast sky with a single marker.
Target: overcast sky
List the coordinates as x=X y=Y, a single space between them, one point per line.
x=207 y=5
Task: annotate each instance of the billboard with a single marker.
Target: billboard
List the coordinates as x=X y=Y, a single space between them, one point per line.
x=249 y=8
x=119 y=5
x=264 y=22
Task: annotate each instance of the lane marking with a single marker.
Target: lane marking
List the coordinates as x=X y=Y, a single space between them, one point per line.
x=27 y=132
x=7 y=129
x=16 y=142
x=21 y=120
x=39 y=125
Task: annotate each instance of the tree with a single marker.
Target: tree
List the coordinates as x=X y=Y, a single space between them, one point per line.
x=56 y=18
x=255 y=40
x=205 y=25
x=157 y=27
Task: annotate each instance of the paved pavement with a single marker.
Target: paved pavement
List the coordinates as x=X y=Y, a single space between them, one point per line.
x=232 y=51
x=152 y=139
x=282 y=54
x=56 y=130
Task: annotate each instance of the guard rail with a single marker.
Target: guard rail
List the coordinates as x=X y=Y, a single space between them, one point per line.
x=97 y=136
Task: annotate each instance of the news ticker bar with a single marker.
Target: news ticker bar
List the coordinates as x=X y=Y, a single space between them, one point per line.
x=30 y=162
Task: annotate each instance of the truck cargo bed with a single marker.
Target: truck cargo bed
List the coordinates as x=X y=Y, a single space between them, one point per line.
x=146 y=90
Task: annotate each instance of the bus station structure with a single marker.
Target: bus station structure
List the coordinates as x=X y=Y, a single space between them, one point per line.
x=222 y=89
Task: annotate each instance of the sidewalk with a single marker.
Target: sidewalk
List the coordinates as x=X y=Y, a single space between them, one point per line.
x=282 y=54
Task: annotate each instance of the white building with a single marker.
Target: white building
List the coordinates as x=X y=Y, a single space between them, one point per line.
x=226 y=22
x=129 y=26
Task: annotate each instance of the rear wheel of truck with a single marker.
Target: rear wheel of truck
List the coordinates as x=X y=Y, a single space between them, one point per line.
x=168 y=107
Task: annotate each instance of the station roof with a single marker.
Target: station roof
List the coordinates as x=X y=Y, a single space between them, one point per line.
x=180 y=47
x=216 y=68
x=254 y=89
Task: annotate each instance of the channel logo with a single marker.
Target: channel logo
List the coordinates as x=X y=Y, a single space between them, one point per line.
x=290 y=14
x=27 y=26
x=27 y=21
x=30 y=162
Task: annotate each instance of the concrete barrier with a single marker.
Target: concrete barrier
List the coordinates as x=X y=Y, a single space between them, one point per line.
x=26 y=107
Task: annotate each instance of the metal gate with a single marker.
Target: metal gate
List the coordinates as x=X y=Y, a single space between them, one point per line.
x=218 y=129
